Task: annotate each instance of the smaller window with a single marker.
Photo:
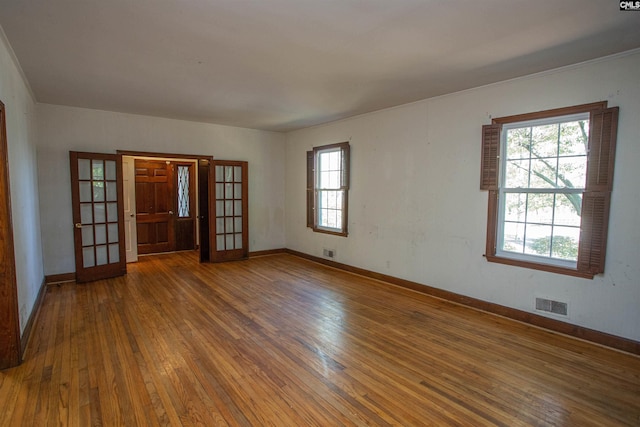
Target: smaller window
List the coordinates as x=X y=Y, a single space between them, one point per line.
x=330 y=175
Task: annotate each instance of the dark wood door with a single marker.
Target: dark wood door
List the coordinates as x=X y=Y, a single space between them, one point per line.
x=98 y=215
x=155 y=219
x=204 y=179
x=10 y=353
x=231 y=226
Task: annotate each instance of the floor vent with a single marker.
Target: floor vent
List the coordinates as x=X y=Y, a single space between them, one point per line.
x=551 y=306
x=329 y=253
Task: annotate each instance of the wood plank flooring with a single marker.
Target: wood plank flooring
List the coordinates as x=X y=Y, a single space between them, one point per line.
x=282 y=341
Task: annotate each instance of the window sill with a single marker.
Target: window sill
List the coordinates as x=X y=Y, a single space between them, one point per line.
x=325 y=231
x=538 y=266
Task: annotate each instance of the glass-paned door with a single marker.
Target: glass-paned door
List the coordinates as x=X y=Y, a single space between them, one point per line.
x=97 y=194
x=231 y=210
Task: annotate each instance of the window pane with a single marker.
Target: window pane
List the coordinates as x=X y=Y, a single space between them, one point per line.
x=98 y=191
x=538 y=240
x=543 y=173
x=540 y=208
x=112 y=233
x=183 y=192
x=513 y=237
x=87 y=235
x=85 y=191
x=99 y=213
x=544 y=141
x=567 y=207
x=97 y=169
x=565 y=243
x=515 y=207
x=574 y=138
x=88 y=258
x=518 y=141
x=114 y=253
x=84 y=169
x=101 y=255
x=572 y=172
x=110 y=170
x=517 y=174
x=101 y=234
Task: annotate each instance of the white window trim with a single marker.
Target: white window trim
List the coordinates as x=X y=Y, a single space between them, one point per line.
x=502 y=191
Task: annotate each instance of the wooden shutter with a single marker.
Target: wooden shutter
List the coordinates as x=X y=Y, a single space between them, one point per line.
x=310 y=189
x=490 y=156
x=596 y=199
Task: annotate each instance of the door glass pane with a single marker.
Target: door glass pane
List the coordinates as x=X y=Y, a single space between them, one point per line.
x=112 y=191
x=183 y=192
x=86 y=214
x=85 y=191
x=219 y=174
x=98 y=170
x=87 y=235
x=228 y=174
x=219 y=208
x=98 y=191
x=112 y=212
x=237 y=174
x=114 y=253
x=220 y=242
x=228 y=191
x=110 y=170
x=229 y=242
x=98 y=212
x=238 y=240
x=101 y=234
x=237 y=193
x=238 y=224
x=101 y=255
x=228 y=208
x=84 y=169
x=219 y=191
x=112 y=233
x=238 y=207
x=220 y=225
x=88 y=259
x=229 y=225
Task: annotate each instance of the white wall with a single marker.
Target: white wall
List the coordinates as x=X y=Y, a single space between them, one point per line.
x=21 y=141
x=62 y=129
x=416 y=211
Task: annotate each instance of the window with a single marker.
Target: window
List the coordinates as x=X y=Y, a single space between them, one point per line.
x=549 y=191
x=328 y=188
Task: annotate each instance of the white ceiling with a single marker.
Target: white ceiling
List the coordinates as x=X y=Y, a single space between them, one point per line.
x=287 y=64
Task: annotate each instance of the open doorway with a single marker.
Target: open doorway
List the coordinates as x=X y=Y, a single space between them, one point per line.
x=163 y=205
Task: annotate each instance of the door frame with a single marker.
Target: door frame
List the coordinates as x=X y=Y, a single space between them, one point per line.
x=197 y=158
x=10 y=350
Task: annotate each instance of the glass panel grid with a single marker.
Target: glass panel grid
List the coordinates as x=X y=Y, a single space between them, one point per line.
x=183 y=192
x=228 y=185
x=544 y=173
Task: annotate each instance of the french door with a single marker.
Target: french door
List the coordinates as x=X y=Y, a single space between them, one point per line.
x=231 y=225
x=98 y=216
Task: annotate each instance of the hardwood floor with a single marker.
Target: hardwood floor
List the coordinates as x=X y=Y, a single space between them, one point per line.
x=282 y=341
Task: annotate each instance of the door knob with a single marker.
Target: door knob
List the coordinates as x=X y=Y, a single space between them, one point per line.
x=170 y=212
x=132 y=215
x=78 y=225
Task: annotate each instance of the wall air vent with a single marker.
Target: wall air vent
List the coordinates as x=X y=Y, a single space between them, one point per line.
x=551 y=306
x=328 y=253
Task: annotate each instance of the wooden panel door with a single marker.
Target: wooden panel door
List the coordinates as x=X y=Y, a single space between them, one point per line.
x=204 y=170
x=96 y=195
x=155 y=219
x=231 y=226
x=10 y=353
